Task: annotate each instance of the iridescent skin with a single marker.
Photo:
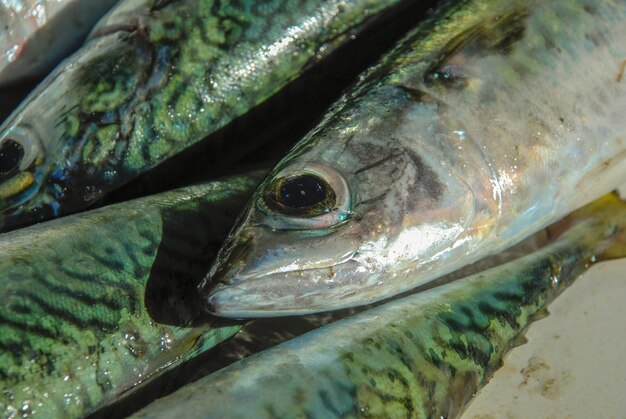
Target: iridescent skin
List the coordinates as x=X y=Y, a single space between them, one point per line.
x=37 y=34
x=90 y=305
x=423 y=356
x=156 y=77
x=485 y=124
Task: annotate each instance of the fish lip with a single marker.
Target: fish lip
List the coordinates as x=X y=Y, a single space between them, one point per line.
x=220 y=301
x=280 y=294
x=325 y=264
x=237 y=296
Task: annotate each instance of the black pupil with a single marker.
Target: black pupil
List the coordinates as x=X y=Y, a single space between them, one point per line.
x=11 y=154
x=302 y=191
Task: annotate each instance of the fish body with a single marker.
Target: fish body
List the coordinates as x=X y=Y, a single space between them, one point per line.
x=488 y=122
x=421 y=356
x=37 y=34
x=96 y=303
x=154 y=78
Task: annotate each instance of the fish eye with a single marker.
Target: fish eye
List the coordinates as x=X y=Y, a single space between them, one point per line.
x=19 y=149
x=11 y=155
x=305 y=196
x=300 y=195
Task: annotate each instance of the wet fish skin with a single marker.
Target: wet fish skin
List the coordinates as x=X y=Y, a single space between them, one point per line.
x=155 y=78
x=96 y=303
x=38 y=34
x=421 y=356
x=458 y=144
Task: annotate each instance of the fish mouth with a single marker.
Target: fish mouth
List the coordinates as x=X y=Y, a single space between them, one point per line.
x=257 y=274
x=234 y=301
x=296 y=292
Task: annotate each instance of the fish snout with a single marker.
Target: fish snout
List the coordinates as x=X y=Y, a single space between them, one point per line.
x=277 y=294
x=294 y=292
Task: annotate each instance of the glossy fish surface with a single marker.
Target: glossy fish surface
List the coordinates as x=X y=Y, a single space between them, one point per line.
x=96 y=303
x=422 y=356
x=485 y=124
x=36 y=34
x=154 y=78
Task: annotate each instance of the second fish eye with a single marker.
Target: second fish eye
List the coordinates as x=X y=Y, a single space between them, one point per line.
x=305 y=196
x=300 y=195
x=11 y=155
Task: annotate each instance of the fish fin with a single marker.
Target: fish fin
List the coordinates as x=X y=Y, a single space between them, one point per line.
x=539 y=315
x=608 y=211
x=519 y=340
x=210 y=339
x=614 y=209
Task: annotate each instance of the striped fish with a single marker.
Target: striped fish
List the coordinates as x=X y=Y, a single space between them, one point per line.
x=156 y=77
x=96 y=303
x=422 y=356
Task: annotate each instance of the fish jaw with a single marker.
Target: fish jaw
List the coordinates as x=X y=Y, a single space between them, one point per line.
x=250 y=279
x=269 y=296
x=334 y=280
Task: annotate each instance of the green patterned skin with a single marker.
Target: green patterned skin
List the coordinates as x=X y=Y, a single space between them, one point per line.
x=423 y=356
x=96 y=303
x=156 y=77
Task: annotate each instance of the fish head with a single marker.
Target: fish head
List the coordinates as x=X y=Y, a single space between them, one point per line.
x=330 y=225
x=63 y=144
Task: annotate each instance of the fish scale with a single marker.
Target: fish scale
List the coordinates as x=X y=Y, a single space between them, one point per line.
x=421 y=356
x=93 y=304
x=199 y=94
x=153 y=79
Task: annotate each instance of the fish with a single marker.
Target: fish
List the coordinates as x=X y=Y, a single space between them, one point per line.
x=487 y=122
x=154 y=78
x=422 y=356
x=37 y=34
x=95 y=304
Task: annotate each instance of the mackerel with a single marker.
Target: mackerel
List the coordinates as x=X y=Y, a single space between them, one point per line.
x=489 y=121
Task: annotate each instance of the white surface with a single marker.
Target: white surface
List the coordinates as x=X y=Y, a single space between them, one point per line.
x=574 y=364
